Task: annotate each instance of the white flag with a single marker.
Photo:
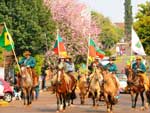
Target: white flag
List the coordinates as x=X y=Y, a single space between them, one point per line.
x=136 y=44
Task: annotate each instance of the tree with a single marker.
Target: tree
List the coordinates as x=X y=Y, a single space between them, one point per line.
x=74 y=23
x=30 y=24
x=128 y=19
x=110 y=34
x=142 y=25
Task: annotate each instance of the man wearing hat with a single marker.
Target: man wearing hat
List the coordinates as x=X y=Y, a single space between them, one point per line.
x=111 y=66
x=56 y=78
x=29 y=61
x=139 y=68
x=70 y=70
x=138 y=65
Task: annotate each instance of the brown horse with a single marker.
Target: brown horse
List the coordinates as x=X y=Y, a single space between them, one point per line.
x=26 y=84
x=83 y=87
x=61 y=87
x=110 y=90
x=136 y=87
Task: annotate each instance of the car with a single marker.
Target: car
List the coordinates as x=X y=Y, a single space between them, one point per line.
x=123 y=82
x=6 y=91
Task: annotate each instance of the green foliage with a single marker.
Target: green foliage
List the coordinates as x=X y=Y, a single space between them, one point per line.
x=29 y=23
x=128 y=19
x=39 y=63
x=110 y=34
x=108 y=53
x=142 y=25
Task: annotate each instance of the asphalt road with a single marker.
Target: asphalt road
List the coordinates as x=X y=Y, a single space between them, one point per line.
x=47 y=104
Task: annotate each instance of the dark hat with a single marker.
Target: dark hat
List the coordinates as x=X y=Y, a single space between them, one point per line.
x=110 y=59
x=26 y=53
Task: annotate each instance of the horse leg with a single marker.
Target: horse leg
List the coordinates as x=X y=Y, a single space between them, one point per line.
x=93 y=98
x=58 y=102
x=111 y=108
x=64 y=101
x=142 y=98
x=30 y=95
x=147 y=93
x=134 y=98
x=82 y=99
x=61 y=102
x=24 y=96
x=68 y=99
x=107 y=101
x=73 y=96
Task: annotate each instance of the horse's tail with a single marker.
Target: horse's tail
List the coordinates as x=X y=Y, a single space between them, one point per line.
x=112 y=100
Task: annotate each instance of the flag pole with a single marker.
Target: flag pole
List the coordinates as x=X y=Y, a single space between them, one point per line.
x=12 y=47
x=57 y=38
x=87 y=62
x=131 y=54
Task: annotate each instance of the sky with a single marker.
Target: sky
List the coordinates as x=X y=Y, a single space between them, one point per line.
x=113 y=9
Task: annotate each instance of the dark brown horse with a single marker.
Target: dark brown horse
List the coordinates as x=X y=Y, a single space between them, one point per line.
x=26 y=84
x=72 y=86
x=136 y=87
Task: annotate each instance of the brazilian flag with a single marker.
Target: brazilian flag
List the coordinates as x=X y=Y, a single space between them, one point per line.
x=6 y=40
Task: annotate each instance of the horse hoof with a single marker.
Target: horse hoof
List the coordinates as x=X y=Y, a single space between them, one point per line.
x=57 y=111
x=142 y=108
x=108 y=110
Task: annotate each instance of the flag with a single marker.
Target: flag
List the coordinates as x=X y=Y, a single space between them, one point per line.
x=59 y=47
x=95 y=51
x=136 y=44
x=100 y=53
x=6 y=40
x=92 y=49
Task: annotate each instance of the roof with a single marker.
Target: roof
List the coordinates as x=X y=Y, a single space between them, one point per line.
x=120 y=25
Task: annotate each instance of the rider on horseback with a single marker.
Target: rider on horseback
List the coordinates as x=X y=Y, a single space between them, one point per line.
x=140 y=69
x=29 y=62
x=60 y=68
x=69 y=67
x=112 y=68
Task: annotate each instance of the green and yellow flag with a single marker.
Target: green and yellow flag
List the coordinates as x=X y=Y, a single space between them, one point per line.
x=6 y=40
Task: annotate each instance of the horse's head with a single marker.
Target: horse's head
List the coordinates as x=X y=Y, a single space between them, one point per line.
x=25 y=72
x=131 y=75
x=60 y=74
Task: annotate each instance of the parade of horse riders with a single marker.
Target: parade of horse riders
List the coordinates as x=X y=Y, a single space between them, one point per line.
x=74 y=56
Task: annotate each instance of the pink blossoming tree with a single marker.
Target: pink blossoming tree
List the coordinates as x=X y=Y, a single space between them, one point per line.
x=75 y=25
